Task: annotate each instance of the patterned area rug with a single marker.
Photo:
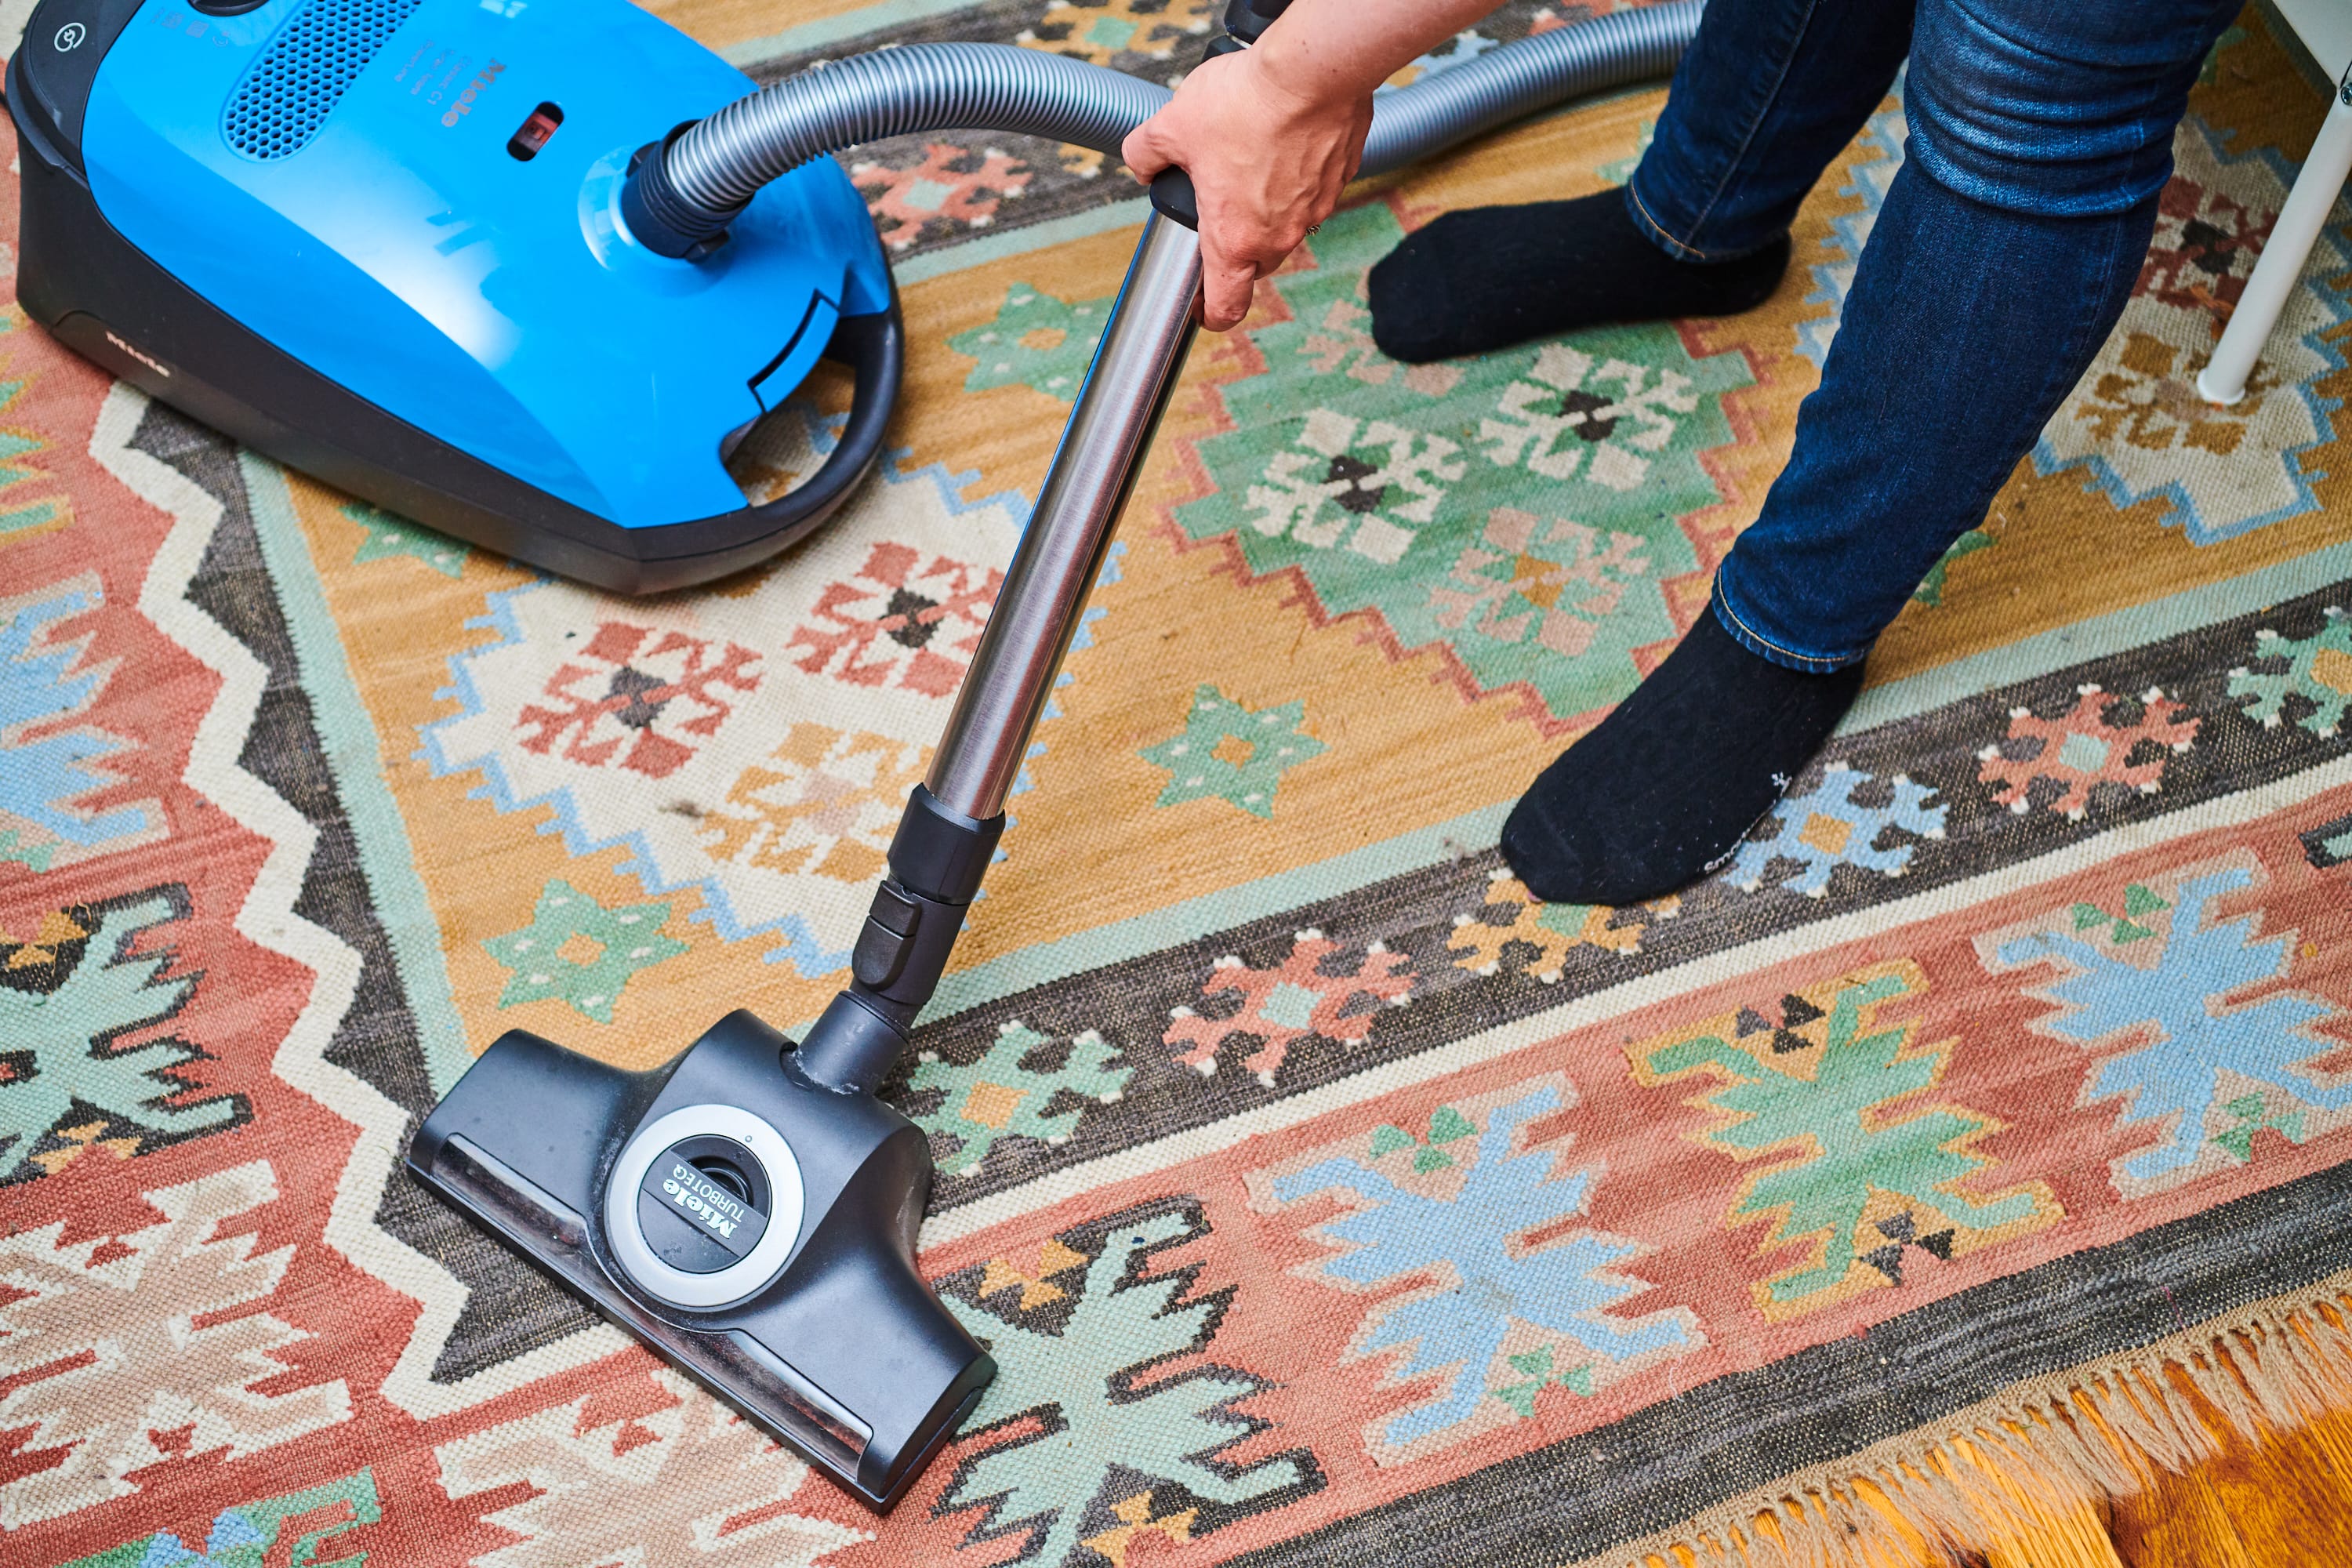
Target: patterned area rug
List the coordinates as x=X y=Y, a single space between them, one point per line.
x=1965 y=1171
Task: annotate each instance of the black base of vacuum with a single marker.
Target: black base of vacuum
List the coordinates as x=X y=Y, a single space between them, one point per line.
x=110 y=302
x=753 y=1227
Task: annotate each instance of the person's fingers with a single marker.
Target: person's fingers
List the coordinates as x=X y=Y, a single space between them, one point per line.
x=1226 y=289
x=1143 y=152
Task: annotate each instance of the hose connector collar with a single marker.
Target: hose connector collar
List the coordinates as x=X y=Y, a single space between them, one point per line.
x=658 y=216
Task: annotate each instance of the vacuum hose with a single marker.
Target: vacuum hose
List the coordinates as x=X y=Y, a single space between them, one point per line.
x=1503 y=85
x=686 y=189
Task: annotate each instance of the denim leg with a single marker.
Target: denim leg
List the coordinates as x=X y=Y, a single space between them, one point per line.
x=1767 y=93
x=2060 y=110
x=2007 y=247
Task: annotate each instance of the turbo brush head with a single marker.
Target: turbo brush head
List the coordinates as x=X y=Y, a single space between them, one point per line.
x=753 y=1227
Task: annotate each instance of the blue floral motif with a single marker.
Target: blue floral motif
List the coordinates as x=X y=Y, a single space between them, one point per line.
x=1827 y=829
x=46 y=766
x=1563 y=1290
x=2180 y=1008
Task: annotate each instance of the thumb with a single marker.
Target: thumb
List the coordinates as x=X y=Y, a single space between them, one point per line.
x=1226 y=285
x=1142 y=152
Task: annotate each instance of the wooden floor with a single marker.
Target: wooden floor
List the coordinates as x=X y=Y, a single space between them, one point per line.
x=2001 y=1492
x=2285 y=1503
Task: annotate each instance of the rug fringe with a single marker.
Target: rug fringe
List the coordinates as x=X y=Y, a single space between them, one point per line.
x=2029 y=1480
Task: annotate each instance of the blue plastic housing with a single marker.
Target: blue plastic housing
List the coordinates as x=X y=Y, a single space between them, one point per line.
x=495 y=302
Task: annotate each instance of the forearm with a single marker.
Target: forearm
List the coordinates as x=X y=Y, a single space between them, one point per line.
x=1338 y=52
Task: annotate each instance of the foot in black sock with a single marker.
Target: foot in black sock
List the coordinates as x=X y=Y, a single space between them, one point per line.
x=1486 y=277
x=1662 y=790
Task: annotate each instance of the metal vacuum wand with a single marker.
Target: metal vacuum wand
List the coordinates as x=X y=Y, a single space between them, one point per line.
x=1143 y=348
x=949 y=833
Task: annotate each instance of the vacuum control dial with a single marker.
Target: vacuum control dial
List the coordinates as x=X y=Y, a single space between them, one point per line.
x=703 y=1204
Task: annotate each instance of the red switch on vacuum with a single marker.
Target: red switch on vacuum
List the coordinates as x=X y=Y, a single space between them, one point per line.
x=526 y=142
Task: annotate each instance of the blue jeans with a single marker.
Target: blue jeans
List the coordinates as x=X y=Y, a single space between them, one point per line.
x=2041 y=134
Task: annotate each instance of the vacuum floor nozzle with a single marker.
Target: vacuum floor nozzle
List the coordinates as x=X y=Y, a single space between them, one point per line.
x=753 y=1225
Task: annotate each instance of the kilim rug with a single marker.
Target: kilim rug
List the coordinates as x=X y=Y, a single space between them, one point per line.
x=1963 y=1174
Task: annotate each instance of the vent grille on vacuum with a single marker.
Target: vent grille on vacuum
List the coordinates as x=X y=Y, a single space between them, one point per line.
x=301 y=78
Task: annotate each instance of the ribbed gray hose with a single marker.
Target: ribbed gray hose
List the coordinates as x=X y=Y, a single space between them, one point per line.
x=721 y=163
x=1503 y=85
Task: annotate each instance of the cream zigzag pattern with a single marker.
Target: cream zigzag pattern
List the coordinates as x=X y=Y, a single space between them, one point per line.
x=269 y=920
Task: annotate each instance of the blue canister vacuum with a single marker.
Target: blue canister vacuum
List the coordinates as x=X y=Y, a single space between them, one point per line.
x=524 y=270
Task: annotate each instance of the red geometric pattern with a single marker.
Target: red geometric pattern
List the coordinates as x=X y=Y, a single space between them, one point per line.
x=900 y=622
x=2080 y=749
x=1282 y=1006
x=202 y=1344
x=609 y=706
x=945 y=187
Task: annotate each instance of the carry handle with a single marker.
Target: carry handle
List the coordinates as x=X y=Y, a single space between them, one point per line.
x=873 y=347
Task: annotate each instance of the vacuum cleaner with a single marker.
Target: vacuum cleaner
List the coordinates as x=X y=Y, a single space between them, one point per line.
x=524 y=270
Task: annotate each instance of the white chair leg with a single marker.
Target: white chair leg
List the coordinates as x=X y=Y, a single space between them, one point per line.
x=2280 y=266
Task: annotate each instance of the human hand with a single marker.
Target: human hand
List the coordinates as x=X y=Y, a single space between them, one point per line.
x=1267 y=159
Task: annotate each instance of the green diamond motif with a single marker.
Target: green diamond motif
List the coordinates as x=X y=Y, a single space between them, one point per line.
x=2253 y=1115
x=1446 y=1125
x=2084 y=754
x=390 y=536
x=1518 y=508
x=2318 y=672
x=1536 y=1366
x=1001 y=1094
x=1930 y=590
x=1236 y=753
x=1620 y=170
x=2124 y=928
x=1290 y=1005
x=1111 y=32
x=1036 y=340
x=1520 y=1397
x=580 y=951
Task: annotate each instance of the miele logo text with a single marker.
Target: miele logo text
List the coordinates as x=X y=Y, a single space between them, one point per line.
x=481 y=84
x=709 y=1202
x=158 y=366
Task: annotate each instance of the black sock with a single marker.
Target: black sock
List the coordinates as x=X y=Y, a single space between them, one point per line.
x=1663 y=789
x=1486 y=277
